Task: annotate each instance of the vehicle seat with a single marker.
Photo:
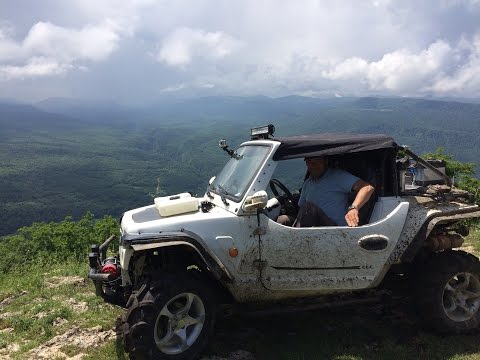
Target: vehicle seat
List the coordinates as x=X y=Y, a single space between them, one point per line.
x=367 y=209
x=364 y=169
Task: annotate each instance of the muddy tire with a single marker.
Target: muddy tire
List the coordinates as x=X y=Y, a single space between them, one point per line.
x=113 y=298
x=173 y=318
x=447 y=292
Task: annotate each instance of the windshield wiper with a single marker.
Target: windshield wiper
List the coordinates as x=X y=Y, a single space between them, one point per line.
x=222 y=194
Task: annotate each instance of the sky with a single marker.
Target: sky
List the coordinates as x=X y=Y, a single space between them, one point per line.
x=140 y=51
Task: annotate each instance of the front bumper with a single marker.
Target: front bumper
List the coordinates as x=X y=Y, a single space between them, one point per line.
x=96 y=257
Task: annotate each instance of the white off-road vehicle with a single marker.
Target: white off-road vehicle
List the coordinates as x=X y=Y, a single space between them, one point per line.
x=182 y=256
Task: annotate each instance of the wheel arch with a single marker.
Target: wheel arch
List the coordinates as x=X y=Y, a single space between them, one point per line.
x=433 y=221
x=186 y=243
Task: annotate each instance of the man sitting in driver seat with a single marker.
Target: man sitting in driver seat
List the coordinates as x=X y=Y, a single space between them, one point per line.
x=324 y=197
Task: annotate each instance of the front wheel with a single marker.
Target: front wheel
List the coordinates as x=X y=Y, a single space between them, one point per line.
x=447 y=292
x=172 y=318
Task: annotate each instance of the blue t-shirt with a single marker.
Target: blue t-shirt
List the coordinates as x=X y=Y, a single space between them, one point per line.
x=329 y=193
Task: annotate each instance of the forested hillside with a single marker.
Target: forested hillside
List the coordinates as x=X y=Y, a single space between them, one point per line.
x=62 y=158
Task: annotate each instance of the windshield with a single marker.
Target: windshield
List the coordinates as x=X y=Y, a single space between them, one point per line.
x=237 y=174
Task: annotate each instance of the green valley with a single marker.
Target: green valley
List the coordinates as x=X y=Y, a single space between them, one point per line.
x=58 y=159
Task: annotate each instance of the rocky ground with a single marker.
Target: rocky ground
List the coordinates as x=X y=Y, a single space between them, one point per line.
x=73 y=342
x=59 y=317
x=71 y=338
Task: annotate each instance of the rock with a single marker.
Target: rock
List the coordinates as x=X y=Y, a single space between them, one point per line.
x=80 y=338
x=10 y=348
x=7 y=301
x=7 y=315
x=77 y=306
x=57 y=281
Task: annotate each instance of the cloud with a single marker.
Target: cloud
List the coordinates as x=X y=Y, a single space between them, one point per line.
x=173 y=88
x=271 y=47
x=401 y=70
x=8 y=48
x=465 y=80
x=386 y=46
x=439 y=69
x=94 y=43
x=49 y=49
x=183 y=45
x=35 y=67
x=352 y=68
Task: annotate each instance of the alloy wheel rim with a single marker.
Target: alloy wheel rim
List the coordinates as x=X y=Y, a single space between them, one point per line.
x=461 y=296
x=179 y=323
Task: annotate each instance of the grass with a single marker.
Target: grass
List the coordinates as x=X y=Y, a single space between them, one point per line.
x=34 y=311
x=39 y=308
x=472 y=241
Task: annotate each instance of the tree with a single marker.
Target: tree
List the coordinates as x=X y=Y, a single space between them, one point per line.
x=49 y=241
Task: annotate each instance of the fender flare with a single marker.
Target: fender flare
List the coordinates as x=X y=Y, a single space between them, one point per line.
x=430 y=223
x=182 y=238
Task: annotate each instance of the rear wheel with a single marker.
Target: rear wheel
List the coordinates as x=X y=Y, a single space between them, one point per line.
x=447 y=292
x=171 y=319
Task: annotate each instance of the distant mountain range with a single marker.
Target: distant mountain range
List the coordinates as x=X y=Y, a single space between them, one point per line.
x=64 y=157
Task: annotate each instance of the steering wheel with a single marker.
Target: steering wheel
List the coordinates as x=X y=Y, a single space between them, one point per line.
x=274 y=183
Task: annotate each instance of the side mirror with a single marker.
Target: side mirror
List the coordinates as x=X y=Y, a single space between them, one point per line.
x=212 y=179
x=256 y=201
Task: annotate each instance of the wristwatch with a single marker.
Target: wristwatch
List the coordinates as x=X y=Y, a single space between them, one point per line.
x=351 y=207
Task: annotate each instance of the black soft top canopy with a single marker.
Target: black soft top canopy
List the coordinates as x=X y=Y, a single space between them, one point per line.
x=330 y=144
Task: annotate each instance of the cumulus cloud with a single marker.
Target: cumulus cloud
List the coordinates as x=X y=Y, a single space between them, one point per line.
x=466 y=79
x=35 y=67
x=8 y=48
x=352 y=68
x=49 y=49
x=388 y=47
x=91 y=42
x=403 y=71
x=438 y=69
x=400 y=70
x=184 y=44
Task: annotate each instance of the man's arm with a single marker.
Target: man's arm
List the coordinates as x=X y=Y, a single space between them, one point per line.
x=364 y=191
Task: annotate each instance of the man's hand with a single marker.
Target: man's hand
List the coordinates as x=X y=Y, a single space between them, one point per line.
x=352 y=218
x=364 y=190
